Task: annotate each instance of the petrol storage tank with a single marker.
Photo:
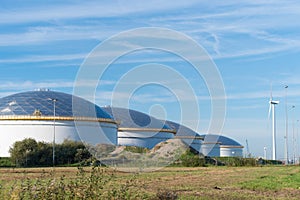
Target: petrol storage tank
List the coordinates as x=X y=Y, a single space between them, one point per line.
x=44 y=115
x=139 y=129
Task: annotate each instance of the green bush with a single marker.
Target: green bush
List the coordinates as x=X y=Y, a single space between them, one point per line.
x=29 y=153
x=190 y=159
x=250 y=162
x=6 y=162
x=238 y=162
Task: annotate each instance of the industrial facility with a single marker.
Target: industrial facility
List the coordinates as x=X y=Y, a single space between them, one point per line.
x=209 y=144
x=51 y=116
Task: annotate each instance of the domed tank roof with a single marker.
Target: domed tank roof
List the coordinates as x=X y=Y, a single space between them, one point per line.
x=225 y=141
x=28 y=103
x=187 y=135
x=182 y=131
x=134 y=119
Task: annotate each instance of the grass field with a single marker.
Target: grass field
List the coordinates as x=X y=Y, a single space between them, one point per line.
x=270 y=182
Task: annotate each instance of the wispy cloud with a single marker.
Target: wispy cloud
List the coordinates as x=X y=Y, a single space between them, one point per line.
x=30 y=85
x=44 y=58
x=253 y=24
x=86 y=9
x=50 y=84
x=47 y=34
x=216 y=27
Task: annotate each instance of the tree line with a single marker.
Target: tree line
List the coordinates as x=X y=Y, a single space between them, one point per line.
x=30 y=153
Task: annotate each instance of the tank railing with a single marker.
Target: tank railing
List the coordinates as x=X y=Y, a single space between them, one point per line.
x=58 y=118
x=232 y=146
x=148 y=130
x=189 y=137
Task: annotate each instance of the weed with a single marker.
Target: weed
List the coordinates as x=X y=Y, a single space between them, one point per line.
x=97 y=183
x=166 y=195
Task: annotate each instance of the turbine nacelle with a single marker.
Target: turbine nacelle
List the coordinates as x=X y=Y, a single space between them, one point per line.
x=274 y=102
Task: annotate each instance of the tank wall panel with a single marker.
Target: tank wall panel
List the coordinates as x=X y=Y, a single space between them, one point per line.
x=12 y=131
x=231 y=152
x=142 y=139
x=212 y=150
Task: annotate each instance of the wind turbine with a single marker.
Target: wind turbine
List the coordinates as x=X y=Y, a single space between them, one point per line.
x=272 y=109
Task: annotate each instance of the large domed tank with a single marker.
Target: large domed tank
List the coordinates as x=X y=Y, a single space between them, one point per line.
x=139 y=129
x=43 y=114
x=230 y=147
x=221 y=146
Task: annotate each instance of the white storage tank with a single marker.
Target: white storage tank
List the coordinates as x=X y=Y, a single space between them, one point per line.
x=221 y=146
x=139 y=129
x=230 y=147
x=37 y=114
x=210 y=149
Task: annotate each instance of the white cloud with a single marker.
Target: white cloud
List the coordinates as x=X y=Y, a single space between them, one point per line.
x=87 y=9
x=45 y=58
x=51 y=33
x=9 y=87
x=242 y=30
x=30 y=85
x=221 y=21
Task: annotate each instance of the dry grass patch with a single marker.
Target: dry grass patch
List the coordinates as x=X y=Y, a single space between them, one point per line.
x=171 y=182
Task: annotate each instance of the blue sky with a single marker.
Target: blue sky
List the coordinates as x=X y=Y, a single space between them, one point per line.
x=253 y=44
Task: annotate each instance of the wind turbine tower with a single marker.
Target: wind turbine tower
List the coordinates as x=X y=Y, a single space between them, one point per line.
x=272 y=109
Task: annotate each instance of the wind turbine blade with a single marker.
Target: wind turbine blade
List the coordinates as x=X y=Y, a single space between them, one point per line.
x=271 y=92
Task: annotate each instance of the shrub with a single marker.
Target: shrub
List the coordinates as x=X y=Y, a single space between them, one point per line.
x=190 y=159
x=238 y=162
x=29 y=153
x=6 y=162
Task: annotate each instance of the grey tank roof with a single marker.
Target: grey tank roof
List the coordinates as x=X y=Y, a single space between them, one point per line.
x=129 y=118
x=185 y=131
x=26 y=103
x=187 y=135
x=181 y=130
x=226 y=141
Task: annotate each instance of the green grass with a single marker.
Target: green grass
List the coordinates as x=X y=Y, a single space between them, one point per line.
x=275 y=180
x=270 y=182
